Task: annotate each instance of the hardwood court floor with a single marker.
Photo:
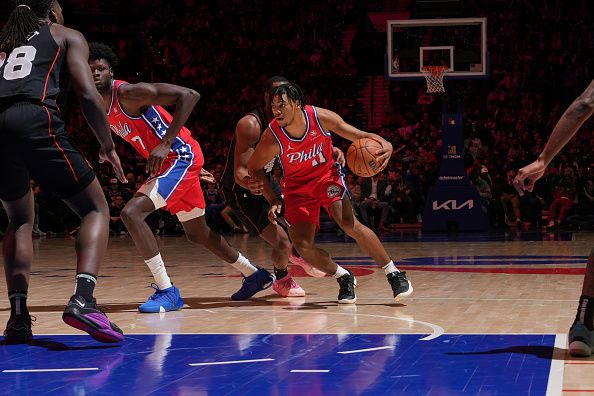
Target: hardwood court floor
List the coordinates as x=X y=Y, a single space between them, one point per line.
x=502 y=298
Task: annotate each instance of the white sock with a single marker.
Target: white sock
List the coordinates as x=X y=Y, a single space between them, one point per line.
x=390 y=267
x=340 y=272
x=157 y=267
x=244 y=266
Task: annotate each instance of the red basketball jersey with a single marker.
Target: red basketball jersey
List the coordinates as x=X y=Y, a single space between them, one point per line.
x=307 y=159
x=145 y=132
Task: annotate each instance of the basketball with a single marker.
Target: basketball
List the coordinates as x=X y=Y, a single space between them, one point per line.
x=361 y=157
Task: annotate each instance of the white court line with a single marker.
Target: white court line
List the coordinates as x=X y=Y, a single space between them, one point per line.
x=51 y=370
x=230 y=362
x=310 y=371
x=367 y=349
x=437 y=330
x=555 y=385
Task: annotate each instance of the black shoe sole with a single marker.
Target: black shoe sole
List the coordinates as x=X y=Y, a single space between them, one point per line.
x=15 y=340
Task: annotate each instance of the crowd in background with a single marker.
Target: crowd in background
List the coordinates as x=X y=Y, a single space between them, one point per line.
x=227 y=50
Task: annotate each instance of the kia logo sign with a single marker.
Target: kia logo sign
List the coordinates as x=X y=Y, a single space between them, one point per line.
x=452 y=204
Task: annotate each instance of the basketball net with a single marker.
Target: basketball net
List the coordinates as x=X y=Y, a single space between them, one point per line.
x=434 y=77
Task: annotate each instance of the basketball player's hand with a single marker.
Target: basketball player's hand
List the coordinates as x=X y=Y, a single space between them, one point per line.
x=112 y=157
x=256 y=186
x=530 y=173
x=338 y=156
x=156 y=158
x=207 y=177
x=384 y=154
x=275 y=210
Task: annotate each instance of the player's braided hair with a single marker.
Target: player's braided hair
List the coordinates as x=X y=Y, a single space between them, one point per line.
x=23 y=20
x=101 y=51
x=293 y=92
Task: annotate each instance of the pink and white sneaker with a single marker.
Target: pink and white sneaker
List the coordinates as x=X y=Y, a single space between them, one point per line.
x=307 y=267
x=287 y=287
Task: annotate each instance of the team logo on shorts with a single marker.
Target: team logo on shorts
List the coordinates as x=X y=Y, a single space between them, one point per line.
x=333 y=190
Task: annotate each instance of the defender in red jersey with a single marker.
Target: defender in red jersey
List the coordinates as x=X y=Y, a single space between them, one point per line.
x=175 y=164
x=300 y=137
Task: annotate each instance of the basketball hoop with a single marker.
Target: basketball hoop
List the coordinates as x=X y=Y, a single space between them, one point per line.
x=434 y=77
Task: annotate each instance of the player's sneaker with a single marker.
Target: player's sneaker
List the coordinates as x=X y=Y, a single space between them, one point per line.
x=84 y=315
x=347 y=283
x=162 y=300
x=18 y=329
x=307 y=267
x=401 y=286
x=287 y=287
x=581 y=340
x=258 y=281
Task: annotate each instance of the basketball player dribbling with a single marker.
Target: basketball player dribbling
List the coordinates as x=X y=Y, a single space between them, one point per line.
x=299 y=135
x=174 y=163
x=581 y=333
x=253 y=209
x=35 y=144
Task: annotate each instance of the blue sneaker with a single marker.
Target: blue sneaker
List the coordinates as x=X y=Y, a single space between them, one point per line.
x=162 y=300
x=258 y=281
x=580 y=340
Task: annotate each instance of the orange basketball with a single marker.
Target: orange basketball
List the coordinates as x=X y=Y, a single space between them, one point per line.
x=361 y=157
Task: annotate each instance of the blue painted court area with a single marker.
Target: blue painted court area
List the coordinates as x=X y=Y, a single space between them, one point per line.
x=280 y=364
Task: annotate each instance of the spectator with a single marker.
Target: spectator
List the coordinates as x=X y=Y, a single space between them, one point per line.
x=116 y=226
x=563 y=199
x=401 y=198
x=214 y=203
x=509 y=197
x=373 y=189
x=484 y=191
x=584 y=217
x=354 y=186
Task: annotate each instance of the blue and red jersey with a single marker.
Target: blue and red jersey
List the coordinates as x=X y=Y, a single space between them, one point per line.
x=146 y=131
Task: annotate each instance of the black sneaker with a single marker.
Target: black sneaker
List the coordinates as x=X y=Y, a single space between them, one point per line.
x=400 y=285
x=18 y=329
x=84 y=315
x=347 y=283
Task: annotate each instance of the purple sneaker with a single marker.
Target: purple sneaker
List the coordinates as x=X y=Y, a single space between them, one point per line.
x=84 y=315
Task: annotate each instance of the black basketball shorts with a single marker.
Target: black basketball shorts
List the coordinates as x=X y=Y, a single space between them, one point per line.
x=251 y=209
x=34 y=144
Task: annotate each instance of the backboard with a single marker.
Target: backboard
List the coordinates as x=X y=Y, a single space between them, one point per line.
x=458 y=43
